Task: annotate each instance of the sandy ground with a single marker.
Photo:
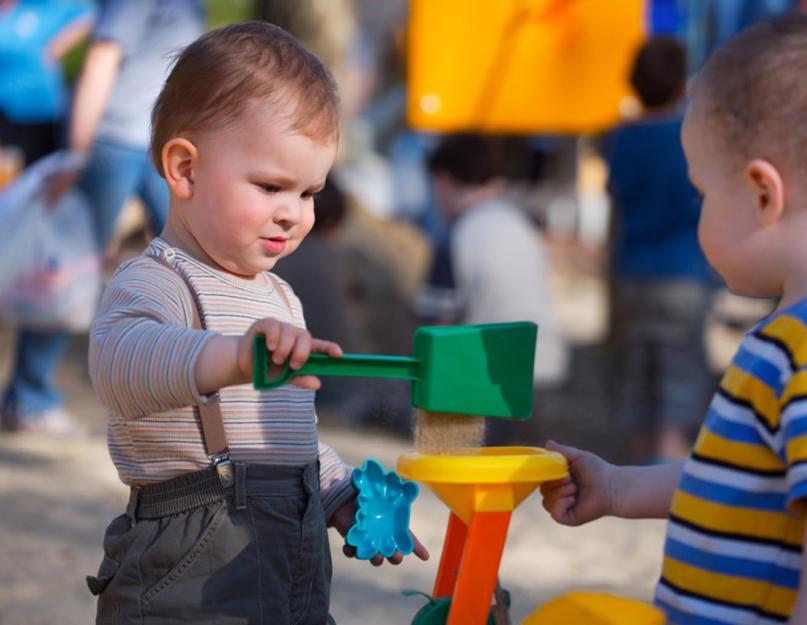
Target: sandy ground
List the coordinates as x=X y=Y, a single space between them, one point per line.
x=57 y=495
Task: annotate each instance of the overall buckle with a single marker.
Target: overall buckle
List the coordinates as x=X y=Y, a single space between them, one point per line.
x=224 y=468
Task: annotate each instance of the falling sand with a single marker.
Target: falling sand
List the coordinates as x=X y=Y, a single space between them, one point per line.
x=440 y=432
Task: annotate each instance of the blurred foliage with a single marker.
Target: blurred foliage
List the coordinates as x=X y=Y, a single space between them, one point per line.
x=221 y=12
x=73 y=59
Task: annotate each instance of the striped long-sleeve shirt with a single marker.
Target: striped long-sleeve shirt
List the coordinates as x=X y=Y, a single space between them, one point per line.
x=143 y=352
x=733 y=552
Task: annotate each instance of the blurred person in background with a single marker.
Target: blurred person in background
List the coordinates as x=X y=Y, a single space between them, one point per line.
x=319 y=276
x=132 y=46
x=660 y=291
x=383 y=258
x=34 y=37
x=709 y=24
x=491 y=266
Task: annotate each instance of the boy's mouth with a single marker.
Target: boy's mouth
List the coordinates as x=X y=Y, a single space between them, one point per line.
x=274 y=245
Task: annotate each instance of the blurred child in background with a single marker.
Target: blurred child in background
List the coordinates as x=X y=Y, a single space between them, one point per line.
x=491 y=266
x=660 y=287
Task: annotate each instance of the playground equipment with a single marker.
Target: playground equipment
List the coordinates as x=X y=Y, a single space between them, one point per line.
x=521 y=66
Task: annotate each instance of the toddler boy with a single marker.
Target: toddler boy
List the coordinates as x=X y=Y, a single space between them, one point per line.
x=736 y=508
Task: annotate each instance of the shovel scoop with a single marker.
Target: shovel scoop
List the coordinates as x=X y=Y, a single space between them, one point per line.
x=484 y=370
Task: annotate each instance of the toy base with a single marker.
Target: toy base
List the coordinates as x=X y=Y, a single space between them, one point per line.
x=594 y=608
x=436 y=613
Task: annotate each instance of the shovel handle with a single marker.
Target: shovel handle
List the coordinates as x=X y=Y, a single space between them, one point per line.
x=351 y=365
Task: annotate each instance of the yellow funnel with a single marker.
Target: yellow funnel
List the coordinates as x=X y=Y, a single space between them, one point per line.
x=490 y=479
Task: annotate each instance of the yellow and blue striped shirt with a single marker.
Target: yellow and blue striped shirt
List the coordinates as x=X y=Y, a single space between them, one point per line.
x=734 y=537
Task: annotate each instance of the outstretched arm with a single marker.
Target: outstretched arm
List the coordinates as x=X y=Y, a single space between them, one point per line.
x=596 y=488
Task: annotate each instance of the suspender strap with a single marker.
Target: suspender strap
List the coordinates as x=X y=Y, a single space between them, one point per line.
x=282 y=292
x=210 y=415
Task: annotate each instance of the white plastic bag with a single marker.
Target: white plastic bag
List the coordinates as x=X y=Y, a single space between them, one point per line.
x=50 y=271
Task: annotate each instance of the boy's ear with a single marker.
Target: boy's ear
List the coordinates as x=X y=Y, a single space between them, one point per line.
x=179 y=158
x=768 y=188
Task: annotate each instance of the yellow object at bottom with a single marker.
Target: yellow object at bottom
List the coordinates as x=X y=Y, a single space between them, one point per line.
x=592 y=608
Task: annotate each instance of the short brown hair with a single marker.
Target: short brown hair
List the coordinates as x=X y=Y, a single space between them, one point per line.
x=469 y=158
x=753 y=90
x=659 y=71
x=217 y=75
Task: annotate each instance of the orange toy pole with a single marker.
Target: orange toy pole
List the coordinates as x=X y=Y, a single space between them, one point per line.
x=470 y=604
x=450 y=559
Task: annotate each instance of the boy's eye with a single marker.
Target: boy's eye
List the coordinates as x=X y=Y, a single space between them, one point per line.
x=269 y=188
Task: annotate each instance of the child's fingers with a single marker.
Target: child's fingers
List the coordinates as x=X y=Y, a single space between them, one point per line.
x=311 y=382
x=567 y=489
x=300 y=350
x=271 y=330
x=376 y=560
x=559 y=509
x=570 y=453
x=420 y=551
x=326 y=347
x=548 y=487
x=285 y=343
x=396 y=558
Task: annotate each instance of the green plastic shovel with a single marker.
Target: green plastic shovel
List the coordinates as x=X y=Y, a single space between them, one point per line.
x=484 y=370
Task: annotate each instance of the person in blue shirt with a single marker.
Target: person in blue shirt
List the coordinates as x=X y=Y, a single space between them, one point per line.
x=660 y=277
x=34 y=36
x=132 y=46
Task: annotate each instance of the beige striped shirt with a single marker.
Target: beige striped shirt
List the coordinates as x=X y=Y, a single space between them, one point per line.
x=143 y=353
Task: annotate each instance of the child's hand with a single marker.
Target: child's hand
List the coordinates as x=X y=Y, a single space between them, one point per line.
x=586 y=494
x=343 y=520
x=284 y=341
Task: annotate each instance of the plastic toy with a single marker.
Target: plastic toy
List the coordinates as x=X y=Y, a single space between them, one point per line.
x=475 y=369
x=481 y=486
x=594 y=608
x=478 y=370
x=435 y=612
x=382 y=517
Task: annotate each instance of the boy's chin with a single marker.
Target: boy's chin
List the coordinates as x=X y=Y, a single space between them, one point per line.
x=755 y=291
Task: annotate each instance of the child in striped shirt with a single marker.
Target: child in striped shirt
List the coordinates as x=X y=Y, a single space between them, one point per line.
x=231 y=492
x=734 y=552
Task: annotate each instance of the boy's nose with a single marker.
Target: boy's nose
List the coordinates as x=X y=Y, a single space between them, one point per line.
x=288 y=211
